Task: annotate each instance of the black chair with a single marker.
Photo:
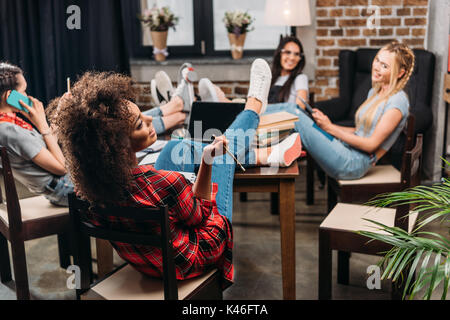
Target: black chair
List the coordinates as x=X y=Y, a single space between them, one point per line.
x=126 y=283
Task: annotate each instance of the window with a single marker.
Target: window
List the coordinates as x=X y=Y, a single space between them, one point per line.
x=184 y=33
x=263 y=37
x=201 y=31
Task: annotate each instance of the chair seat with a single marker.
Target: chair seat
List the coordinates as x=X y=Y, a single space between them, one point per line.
x=381 y=174
x=349 y=217
x=130 y=284
x=34 y=208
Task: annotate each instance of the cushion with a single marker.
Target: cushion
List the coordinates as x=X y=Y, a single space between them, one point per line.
x=130 y=284
x=350 y=217
x=34 y=208
x=381 y=174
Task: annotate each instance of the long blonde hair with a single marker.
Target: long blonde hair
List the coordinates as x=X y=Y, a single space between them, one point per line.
x=404 y=59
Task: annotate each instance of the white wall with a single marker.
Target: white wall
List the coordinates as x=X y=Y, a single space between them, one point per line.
x=437 y=42
x=307 y=36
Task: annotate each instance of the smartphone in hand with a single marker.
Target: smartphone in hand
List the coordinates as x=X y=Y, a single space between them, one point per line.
x=308 y=108
x=310 y=111
x=15 y=97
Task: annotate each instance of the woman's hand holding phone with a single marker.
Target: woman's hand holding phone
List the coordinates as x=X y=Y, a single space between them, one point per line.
x=36 y=114
x=322 y=120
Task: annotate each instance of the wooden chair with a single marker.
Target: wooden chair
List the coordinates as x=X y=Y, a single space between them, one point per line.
x=380 y=178
x=27 y=219
x=126 y=283
x=338 y=230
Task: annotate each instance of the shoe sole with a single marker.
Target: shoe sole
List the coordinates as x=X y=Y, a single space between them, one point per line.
x=261 y=64
x=293 y=152
x=154 y=93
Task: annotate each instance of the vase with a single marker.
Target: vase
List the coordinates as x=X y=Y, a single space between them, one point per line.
x=159 y=39
x=237 y=45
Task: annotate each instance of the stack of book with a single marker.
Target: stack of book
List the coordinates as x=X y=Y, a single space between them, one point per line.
x=274 y=128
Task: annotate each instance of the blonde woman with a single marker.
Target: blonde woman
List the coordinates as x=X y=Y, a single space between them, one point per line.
x=348 y=153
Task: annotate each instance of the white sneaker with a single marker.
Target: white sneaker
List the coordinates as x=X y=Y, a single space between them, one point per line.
x=207 y=91
x=260 y=79
x=187 y=73
x=164 y=85
x=286 y=152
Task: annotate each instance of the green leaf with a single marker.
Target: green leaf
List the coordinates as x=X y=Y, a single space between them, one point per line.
x=437 y=261
x=404 y=263
x=447 y=278
x=422 y=270
x=412 y=271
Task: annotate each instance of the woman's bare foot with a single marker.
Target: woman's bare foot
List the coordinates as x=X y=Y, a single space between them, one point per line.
x=173 y=106
x=174 y=120
x=262 y=154
x=221 y=95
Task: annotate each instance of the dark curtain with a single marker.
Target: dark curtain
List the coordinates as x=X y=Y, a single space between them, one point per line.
x=34 y=36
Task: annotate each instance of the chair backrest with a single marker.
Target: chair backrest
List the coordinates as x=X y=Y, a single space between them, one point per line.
x=12 y=199
x=81 y=213
x=410 y=177
x=405 y=142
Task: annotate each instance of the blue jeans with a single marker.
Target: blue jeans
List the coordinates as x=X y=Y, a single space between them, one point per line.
x=59 y=197
x=185 y=155
x=157 y=115
x=336 y=158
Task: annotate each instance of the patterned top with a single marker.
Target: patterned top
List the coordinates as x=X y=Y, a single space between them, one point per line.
x=202 y=238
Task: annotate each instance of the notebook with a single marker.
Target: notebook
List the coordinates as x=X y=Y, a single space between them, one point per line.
x=280 y=121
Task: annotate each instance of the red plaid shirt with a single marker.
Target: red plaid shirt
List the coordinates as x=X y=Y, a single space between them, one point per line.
x=202 y=238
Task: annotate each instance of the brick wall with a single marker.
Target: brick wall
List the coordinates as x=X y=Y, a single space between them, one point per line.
x=342 y=24
x=235 y=89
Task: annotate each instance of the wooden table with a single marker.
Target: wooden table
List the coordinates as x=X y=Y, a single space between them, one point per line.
x=282 y=182
x=272 y=180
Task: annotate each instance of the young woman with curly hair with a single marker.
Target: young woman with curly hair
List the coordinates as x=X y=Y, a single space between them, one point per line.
x=35 y=156
x=101 y=130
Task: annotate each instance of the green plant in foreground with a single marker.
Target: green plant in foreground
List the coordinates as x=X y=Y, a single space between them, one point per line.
x=413 y=252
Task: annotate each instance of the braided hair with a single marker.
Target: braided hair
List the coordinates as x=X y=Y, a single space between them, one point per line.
x=404 y=60
x=8 y=77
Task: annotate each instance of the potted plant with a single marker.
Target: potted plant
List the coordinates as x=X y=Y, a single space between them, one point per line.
x=421 y=252
x=159 y=20
x=238 y=24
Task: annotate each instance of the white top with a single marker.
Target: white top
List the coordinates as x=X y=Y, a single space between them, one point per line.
x=300 y=83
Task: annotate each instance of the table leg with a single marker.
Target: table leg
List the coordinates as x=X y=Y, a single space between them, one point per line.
x=104 y=257
x=287 y=230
